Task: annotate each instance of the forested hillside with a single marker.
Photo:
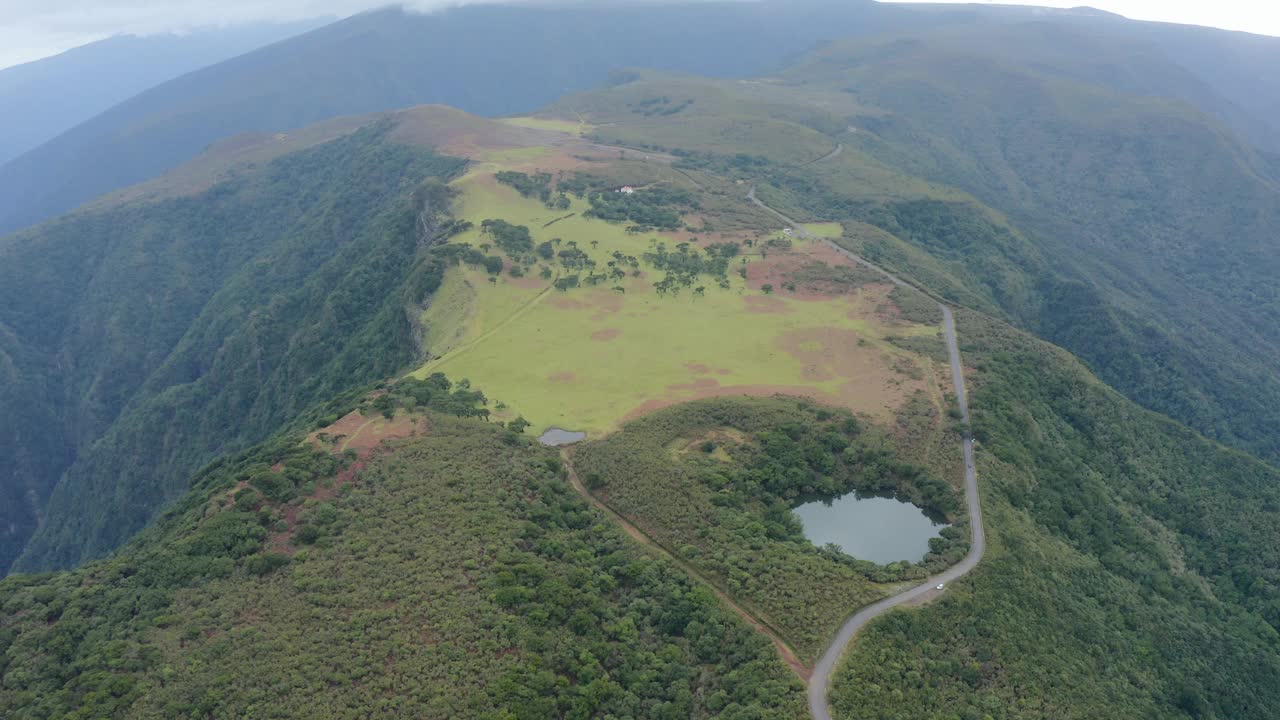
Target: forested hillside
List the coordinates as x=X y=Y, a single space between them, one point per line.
x=1158 y=224
x=457 y=576
x=454 y=573
x=145 y=340
x=1133 y=567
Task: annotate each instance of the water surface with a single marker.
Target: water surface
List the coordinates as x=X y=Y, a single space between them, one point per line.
x=879 y=529
x=555 y=437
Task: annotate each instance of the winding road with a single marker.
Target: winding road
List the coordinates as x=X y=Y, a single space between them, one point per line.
x=820 y=679
x=829 y=156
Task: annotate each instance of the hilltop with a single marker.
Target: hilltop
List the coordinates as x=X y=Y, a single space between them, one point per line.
x=280 y=411
x=280 y=549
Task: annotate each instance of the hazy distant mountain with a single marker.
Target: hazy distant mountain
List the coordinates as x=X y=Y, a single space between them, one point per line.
x=42 y=99
x=530 y=56
x=489 y=60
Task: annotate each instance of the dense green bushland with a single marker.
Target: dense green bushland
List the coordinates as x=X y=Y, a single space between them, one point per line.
x=714 y=482
x=1147 y=228
x=459 y=576
x=159 y=336
x=1133 y=568
x=1180 y=349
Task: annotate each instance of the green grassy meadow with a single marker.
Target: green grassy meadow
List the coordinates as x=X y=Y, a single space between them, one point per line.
x=584 y=359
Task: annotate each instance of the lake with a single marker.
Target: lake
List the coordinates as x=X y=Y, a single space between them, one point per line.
x=555 y=437
x=879 y=529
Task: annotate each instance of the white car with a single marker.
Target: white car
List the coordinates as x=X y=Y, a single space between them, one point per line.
x=940 y=585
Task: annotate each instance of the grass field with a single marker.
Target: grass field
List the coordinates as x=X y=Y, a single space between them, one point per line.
x=538 y=123
x=825 y=230
x=590 y=358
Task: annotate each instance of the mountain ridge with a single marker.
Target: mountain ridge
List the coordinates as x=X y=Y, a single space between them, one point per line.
x=46 y=97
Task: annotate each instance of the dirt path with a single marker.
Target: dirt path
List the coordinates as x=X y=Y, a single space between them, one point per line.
x=351 y=438
x=515 y=315
x=785 y=650
x=829 y=156
x=820 y=679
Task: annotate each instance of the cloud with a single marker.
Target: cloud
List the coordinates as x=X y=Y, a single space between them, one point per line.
x=1255 y=16
x=31 y=29
x=153 y=16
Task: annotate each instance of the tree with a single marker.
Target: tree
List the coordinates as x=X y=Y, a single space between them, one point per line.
x=767 y=288
x=518 y=425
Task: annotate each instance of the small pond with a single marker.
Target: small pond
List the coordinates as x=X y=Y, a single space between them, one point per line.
x=555 y=437
x=880 y=529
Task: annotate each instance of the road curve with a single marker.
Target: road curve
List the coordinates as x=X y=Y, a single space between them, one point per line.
x=820 y=679
x=829 y=156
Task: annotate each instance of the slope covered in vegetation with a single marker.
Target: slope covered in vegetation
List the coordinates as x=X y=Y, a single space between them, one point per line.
x=714 y=482
x=1156 y=223
x=1000 y=166
x=455 y=574
x=141 y=341
x=1133 y=563
x=1132 y=567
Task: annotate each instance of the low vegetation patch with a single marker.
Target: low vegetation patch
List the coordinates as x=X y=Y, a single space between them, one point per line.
x=724 y=504
x=459 y=576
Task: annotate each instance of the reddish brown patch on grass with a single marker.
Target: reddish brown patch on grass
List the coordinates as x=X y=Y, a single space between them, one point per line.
x=606 y=335
x=871 y=384
x=815 y=373
x=765 y=305
x=858 y=375
x=782 y=268
x=603 y=302
x=569 y=303
x=377 y=429
x=775 y=269
x=368 y=436
x=562 y=378
x=527 y=282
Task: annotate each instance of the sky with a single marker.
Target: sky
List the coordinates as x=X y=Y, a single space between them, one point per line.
x=32 y=29
x=1255 y=16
